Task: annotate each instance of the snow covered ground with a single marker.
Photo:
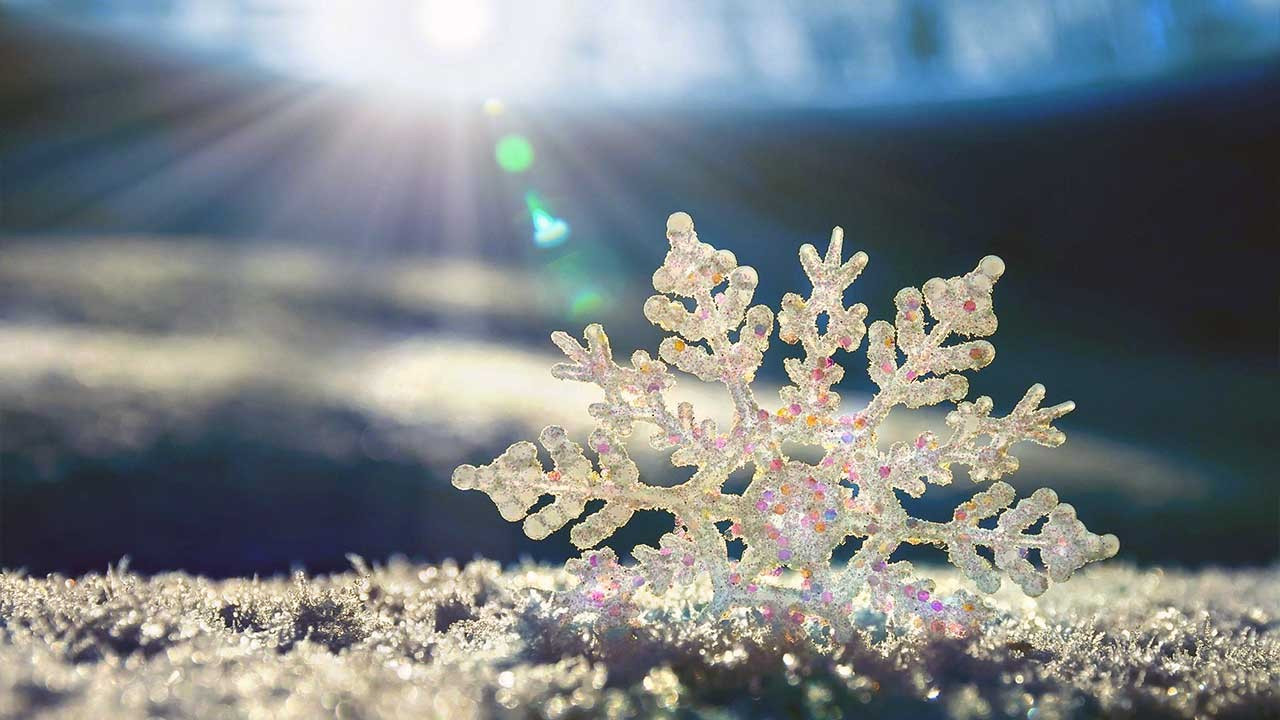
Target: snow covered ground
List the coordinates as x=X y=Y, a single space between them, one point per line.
x=417 y=641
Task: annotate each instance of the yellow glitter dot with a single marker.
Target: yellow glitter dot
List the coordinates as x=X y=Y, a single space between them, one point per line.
x=678 y=345
x=811 y=421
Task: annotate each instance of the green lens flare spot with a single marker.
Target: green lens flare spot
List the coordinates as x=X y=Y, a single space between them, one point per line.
x=586 y=302
x=514 y=153
x=548 y=230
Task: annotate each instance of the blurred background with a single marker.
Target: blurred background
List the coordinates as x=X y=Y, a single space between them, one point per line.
x=270 y=269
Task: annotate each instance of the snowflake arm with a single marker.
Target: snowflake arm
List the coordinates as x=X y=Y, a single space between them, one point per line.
x=694 y=270
x=929 y=372
x=1063 y=543
x=809 y=401
x=516 y=481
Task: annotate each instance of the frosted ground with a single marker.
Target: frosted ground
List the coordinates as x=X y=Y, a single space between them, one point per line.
x=414 y=641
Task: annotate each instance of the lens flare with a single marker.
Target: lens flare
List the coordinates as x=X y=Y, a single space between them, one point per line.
x=514 y=153
x=585 y=302
x=548 y=230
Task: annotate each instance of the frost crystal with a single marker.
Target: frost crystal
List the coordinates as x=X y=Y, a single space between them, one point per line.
x=793 y=515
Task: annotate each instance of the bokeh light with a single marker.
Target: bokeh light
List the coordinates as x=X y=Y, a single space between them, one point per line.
x=514 y=153
x=753 y=53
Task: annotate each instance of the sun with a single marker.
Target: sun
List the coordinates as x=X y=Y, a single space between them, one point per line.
x=455 y=27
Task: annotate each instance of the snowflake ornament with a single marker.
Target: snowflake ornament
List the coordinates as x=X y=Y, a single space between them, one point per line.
x=793 y=515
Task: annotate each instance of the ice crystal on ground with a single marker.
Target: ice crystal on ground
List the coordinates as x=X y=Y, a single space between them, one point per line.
x=794 y=515
x=422 y=641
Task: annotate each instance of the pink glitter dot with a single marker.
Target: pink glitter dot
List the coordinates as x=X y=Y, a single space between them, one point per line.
x=817 y=373
x=784 y=554
x=845 y=341
x=776 y=464
x=922 y=595
x=795 y=408
x=749 y=448
x=911 y=374
x=886 y=366
x=936 y=605
x=826 y=596
x=762 y=506
x=970 y=306
x=885 y=470
x=603 y=447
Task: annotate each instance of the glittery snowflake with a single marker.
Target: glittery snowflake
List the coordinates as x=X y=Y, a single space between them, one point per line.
x=793 y=515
